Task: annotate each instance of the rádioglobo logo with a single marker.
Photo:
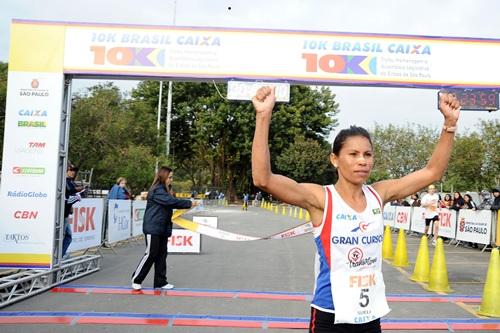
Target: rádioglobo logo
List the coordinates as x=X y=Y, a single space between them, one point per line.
x=34 y=91
x=18 y=170
x=26 y=194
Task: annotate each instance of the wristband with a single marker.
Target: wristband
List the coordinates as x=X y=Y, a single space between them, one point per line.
x=449 y=129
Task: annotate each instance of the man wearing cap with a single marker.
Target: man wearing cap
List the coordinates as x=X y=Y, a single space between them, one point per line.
x=430 y=202
x=496 y=199
x=72 y=196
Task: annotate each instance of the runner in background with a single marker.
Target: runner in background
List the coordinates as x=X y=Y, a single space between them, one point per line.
x=430 y=201
x=349 y=293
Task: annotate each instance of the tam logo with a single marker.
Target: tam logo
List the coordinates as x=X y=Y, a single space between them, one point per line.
x=363 y=226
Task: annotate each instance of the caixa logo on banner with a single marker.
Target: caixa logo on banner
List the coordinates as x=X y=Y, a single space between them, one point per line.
x=32 y=113
x=34 y=91
x=17 y=238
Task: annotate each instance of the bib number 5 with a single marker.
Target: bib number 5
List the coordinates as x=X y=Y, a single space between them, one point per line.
x=364 y=299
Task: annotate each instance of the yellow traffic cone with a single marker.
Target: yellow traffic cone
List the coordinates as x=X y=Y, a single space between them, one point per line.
x=276 y=209
x=308 y=217
x=438 y=277
x=290 y=211
x=301 y=214
x=295 y=212
x=387 y=244
x=422 y=266
x=283 y=211
x=490 y=306
x=401 y=256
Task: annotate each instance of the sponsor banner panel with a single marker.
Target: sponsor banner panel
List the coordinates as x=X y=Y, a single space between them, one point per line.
x=366 y=59
x=138 y=209
x=447 y=222
x=119 y=220
x=389 y=214
x=184 y=241
x=86 y=224
x=29 y=168
x=211 y=221
x=474 y=226
x=403 y=217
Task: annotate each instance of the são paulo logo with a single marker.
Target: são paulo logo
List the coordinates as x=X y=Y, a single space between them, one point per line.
x=34 y=91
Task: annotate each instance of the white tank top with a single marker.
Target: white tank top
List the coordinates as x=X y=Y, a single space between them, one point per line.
x=348 y=263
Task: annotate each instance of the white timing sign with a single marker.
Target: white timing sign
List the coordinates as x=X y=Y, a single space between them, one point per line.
x=244 y=90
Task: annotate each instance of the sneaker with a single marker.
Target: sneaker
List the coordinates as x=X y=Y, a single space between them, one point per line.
x=168 y=286
x=136 y=286
x=66 y=256
x=434 y=242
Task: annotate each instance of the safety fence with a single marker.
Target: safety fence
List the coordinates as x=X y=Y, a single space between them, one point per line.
x=99 y=222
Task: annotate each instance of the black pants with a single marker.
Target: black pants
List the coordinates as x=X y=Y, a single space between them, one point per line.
x=156 y=253
x=323 y=322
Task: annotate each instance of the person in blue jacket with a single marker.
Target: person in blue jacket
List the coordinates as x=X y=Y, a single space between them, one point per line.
x=119 y=190
x=157 y=228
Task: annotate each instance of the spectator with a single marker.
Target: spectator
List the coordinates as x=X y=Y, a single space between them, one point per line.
x=157 y=228
x=496 y=199
x=71 y=196
x=415 y=201
x=458 y=201
x=486 y=200
x=447 y=202
x=119 y=190
x=468 y=202
x=430 y=202
x=246 y=199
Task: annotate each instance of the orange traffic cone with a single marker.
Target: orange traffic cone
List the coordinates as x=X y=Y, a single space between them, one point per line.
x=490 y=306
x=422 y=266
x=387 y=244
x=438 y=277
x=401 y=256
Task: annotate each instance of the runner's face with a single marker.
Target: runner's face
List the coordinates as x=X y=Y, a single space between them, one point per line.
x=355 y=160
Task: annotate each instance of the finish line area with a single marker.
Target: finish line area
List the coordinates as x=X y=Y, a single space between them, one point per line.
x=244 y=287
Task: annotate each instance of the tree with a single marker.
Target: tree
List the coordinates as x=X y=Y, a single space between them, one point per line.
x=3 y=100
x=305 y=160
x=212 y=137
x=401 y=150
x=113 y=136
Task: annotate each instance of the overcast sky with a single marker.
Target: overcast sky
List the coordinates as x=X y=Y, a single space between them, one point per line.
x=360 y=106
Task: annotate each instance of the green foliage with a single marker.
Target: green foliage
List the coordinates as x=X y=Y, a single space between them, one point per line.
x=305 y=160
x=401 y=150
x=113 y=136
x=3 y=100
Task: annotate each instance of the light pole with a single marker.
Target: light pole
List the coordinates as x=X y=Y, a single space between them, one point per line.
x=169 y=102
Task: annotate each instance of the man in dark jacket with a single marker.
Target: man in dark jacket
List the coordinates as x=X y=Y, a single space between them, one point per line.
x=496 y=199
x=71 y=197
x=157 y=228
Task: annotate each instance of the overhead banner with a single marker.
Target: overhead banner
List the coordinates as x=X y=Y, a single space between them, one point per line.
x=293 y=56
